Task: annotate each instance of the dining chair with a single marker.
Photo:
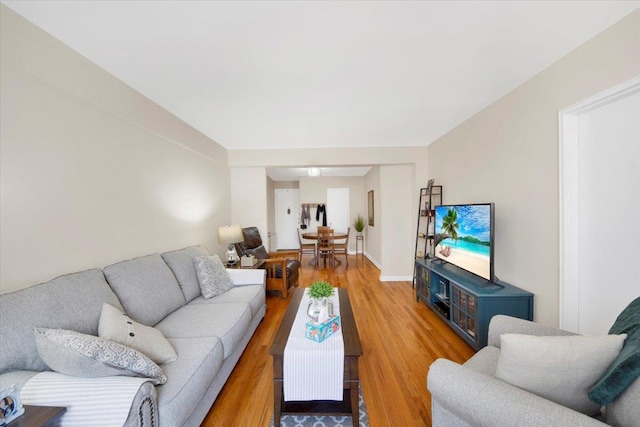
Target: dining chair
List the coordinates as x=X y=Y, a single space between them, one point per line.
x=342 y=248
x=326 y=246
x=305 y=247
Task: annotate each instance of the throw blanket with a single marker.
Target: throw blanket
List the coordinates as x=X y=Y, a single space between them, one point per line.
x=322 y=210
x=626 y=368
x=313 y=371
x=103 y=401
x=306 y=215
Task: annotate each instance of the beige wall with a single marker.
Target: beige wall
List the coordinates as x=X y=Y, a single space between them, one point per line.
x=328 y=156
x=373 y=234
x=91 y=171
x=249 y=200
x=395 y=220
x=508 y=154
x=271 y=205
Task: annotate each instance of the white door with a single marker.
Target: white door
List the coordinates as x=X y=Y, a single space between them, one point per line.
x=287 y=216
x=599 y=253
x=337 y=208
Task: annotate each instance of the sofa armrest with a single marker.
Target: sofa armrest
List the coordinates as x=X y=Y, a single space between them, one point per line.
x=144 y=409
x=501 y=324
x=482 y=400
x=245 y=277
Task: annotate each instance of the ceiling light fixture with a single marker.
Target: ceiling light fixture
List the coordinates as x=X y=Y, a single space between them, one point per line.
x=314 y=172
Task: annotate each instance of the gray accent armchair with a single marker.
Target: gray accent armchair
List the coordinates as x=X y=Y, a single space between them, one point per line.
x=470 y=395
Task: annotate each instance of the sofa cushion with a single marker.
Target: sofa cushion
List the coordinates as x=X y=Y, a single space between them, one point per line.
x=293 y=265
x=252 y=238
x=116 y=326
x=181 y=263
x=82 y=355
x=260 y=252
x=485 y=360
x=626 y=368
x=625 y=411
x=254 y=295
x=212 y=276
x=189 y=377
x=558 y=368
x=147 y=288
x=225 y=321
x=73 y=301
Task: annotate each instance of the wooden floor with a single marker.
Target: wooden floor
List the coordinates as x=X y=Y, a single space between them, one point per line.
x=400 y=338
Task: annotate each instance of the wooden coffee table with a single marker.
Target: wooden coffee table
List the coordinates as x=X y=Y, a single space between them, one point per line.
x=352 y=351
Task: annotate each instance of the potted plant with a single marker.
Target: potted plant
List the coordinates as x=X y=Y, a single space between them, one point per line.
x=320 y=289
x=320 y=306
x=359 y=224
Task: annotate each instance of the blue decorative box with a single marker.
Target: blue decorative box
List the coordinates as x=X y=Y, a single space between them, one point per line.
x=319 y=332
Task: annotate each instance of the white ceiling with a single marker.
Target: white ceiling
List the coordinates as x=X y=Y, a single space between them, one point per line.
x=293 y=74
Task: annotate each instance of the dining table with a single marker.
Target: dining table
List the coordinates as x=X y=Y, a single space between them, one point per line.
x=313 y=235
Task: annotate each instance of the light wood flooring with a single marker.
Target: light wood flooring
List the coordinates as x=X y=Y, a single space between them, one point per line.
x=400 y=338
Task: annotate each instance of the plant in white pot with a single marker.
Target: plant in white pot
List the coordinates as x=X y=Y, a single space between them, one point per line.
x=320 y=306
x=359 y=224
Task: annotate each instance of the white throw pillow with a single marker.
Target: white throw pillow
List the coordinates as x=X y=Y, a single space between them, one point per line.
x=117 y=326
x=212 y=276
x=559 y=368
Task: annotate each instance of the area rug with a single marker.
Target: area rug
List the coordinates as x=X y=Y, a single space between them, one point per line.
x=325 y=421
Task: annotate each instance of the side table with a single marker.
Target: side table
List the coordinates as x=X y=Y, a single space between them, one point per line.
x=259 y=263
x=38 y=416
x=360 y=240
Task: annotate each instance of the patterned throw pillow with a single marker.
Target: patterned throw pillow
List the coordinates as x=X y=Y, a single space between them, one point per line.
x=213 y=277
x=81 y=355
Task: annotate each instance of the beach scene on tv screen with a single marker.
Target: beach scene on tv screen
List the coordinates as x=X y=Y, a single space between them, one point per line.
x=463 y=237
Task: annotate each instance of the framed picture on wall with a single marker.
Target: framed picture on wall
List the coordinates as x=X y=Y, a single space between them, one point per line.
x=371 y=212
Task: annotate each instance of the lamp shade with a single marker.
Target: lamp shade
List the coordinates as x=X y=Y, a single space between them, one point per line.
x=230 y=234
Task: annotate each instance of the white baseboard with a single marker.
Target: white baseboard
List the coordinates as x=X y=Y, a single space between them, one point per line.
x=396 y=278
x=373 y=261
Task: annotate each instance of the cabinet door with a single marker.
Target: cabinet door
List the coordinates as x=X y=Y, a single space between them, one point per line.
x=464 y=311
x=422 y=282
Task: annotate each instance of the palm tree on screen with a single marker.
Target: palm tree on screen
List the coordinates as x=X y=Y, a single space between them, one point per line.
x=450 y=224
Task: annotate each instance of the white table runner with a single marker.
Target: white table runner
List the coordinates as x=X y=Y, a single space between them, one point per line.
x=312 y=370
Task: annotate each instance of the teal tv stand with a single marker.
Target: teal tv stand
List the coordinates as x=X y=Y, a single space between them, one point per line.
x=467 y=302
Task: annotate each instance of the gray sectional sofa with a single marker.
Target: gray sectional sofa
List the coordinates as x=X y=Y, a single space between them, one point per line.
x=160 y=290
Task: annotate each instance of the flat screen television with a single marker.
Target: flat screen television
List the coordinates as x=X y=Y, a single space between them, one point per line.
x=464 y=237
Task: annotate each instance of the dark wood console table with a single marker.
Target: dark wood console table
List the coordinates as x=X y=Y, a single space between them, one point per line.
x=467 y=302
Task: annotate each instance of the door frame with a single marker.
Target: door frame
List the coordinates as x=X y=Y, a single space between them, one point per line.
x=569 y=215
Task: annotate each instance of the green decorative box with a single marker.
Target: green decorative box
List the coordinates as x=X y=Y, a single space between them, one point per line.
x=319 y=332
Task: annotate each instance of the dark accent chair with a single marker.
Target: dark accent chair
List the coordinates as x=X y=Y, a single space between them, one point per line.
x=282 y=266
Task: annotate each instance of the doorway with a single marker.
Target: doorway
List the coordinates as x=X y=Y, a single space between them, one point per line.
x=599 y=185
x=287 y=207
x=338 y=208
